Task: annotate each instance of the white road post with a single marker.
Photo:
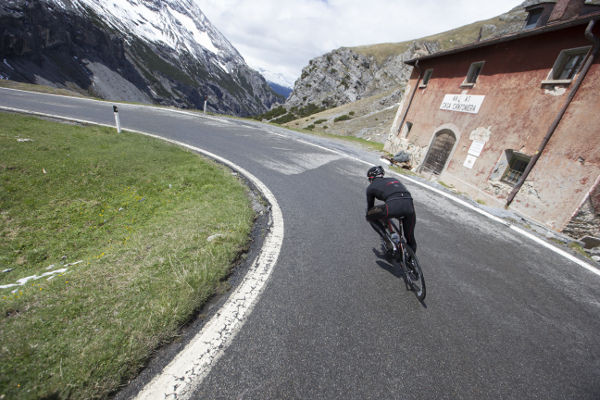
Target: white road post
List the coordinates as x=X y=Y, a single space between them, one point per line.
x=117 y=121
x=204 y=106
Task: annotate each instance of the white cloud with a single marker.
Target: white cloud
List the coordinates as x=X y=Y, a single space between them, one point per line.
x=283 y=35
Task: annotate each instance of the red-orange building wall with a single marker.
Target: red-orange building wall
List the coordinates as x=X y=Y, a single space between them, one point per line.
x=517 y=111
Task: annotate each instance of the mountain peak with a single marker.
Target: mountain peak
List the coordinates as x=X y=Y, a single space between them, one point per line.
x=160 y=51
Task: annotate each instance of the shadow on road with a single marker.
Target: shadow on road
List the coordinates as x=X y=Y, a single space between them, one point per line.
x=385 y=262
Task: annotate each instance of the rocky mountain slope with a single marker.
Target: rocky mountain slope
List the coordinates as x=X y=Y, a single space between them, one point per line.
x=151 y=51
x=368 y=81
x=346 y=75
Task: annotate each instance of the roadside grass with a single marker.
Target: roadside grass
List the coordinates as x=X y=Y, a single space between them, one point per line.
x=447 y=186
x=577 y=248
x=136 y=214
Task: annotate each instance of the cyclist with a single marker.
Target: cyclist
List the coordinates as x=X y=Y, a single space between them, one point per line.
x=398 y=203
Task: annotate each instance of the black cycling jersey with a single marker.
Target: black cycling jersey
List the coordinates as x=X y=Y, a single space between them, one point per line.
x=385 y=189
x=398 y=204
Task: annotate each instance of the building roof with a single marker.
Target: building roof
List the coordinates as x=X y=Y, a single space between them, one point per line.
x=580 y=20
x=538 y=4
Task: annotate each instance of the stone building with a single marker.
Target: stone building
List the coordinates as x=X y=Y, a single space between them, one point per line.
x=515 y=121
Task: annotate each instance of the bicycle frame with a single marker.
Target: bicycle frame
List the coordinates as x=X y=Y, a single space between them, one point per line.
x=393 y=228
x=416 y=281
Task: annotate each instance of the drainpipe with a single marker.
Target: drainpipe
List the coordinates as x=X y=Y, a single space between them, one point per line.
x=411 y=96
x=590 y=59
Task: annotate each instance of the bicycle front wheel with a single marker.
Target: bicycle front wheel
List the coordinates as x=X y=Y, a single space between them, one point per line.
x=414 y=274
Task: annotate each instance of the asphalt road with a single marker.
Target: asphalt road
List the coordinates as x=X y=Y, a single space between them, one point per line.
x=503 y=318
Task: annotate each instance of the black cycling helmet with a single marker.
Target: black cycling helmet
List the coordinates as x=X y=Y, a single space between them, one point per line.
x=375 y=172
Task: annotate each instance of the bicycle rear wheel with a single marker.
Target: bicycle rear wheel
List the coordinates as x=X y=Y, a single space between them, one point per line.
x=414 y=274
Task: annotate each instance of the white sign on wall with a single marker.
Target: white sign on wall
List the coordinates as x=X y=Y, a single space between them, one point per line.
x=462 y=103
x=469 y=161
x=476 y=147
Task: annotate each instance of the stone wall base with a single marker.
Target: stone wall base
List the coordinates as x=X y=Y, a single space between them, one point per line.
x=586 y=222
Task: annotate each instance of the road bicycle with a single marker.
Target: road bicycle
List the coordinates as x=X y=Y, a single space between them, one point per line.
x=401 y=252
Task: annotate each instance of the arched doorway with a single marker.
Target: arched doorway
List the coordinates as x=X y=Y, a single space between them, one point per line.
x=439 y=151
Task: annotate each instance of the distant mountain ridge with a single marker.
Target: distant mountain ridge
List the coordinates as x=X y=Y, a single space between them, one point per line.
x=366 y=79
x=151 y=51
x=280 y=90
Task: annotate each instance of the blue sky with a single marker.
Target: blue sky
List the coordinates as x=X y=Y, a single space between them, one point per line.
x=281 y=36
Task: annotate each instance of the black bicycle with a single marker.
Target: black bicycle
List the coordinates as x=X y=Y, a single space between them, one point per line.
x=398 y=250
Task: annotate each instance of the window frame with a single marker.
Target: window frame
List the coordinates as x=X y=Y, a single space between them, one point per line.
x=514 y=172
x=535 y=12
x=426 y=78
x=470 y=81
x=408 y=126
x=561 y=62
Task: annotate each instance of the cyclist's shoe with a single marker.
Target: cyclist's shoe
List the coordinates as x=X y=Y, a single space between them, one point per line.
x=389 y=247
x=386 y=245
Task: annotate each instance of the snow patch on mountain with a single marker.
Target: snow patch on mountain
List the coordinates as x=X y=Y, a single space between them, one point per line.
x=179 y=25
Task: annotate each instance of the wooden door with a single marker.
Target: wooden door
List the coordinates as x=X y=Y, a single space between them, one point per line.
x=439 y=152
